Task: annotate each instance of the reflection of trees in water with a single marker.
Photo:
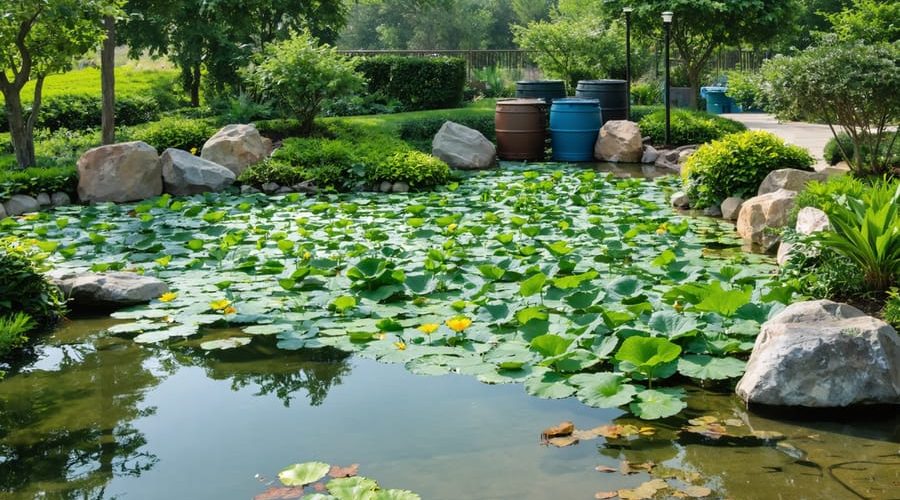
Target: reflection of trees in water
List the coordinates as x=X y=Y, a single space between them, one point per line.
x=275 y=371
x=66 y=430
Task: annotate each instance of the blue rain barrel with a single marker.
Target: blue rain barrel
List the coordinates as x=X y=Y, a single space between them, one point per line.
x=574 y=126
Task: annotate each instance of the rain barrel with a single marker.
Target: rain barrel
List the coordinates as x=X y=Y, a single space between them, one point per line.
x=548 y=90
x=574 y=126
x=611 y=94
x=521 y=129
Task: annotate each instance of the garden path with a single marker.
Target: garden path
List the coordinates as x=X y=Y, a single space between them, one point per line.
x=812 y=136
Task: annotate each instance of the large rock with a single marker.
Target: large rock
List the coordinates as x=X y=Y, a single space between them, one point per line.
x=236 y=147
x=20 y=204
x=462 y=147
x=109 y=290
x=619 y=141
x=790 y=179
x=60 y=199
x=119 y=172
x=761 y=213
x=185 y=174
x=731 y=207
x=809 y=220
x=823 y=354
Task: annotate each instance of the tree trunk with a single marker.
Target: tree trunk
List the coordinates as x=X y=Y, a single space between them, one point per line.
x=22 y=139
x=694 y=82
x=195 y=86
x=108 y=81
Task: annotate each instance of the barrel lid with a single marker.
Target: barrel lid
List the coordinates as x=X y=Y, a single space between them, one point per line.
x=539 y=82
x=521 y=102
x=576 y=100
x=601 y=82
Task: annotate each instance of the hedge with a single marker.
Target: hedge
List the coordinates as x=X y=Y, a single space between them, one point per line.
x=416 y=82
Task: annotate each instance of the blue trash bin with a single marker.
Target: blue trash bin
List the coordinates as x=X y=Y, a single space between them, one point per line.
x=716 y=100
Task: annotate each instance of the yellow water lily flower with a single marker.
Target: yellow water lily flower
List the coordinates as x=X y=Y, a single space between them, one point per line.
x=429 y=328
x=459 y=323
x=168 y=297
x=229 y=310
x=307 y=255
x=219 y=305
x=400 y=345
x=452 y=227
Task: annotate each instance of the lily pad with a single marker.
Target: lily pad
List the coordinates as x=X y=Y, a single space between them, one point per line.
x=303 y=474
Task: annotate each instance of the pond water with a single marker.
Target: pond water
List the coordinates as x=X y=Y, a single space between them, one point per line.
x=90 y=415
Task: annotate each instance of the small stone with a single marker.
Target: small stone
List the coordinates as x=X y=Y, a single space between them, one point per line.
x=284 y=190
x=400 y=187
x=662 y=162
x=385 y=187
x=60 y=199
x=269 y=187
x=811 y=220
x=650 y=154
x=671 y=156
x=306 y=187
x=680 y=200
x=43 y=199
x=731 y=207
x=247 y=189
x=712 y=211
x=20 y=204
x=684 y=155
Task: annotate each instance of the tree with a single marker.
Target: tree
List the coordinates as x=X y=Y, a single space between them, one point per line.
x=530 y=10
x=38 y=38
x=870 y=21
x=222 y=35
x=108 y=82
x=701 y=26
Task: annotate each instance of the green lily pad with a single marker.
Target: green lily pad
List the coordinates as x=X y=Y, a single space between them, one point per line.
x=352 y=488
x=705 y=367
x=605 y=390
x=303 y=474
x=653 y=404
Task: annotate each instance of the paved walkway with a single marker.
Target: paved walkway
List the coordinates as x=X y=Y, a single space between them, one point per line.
x=808 y=135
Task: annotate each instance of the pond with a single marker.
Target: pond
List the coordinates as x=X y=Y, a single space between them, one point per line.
x=298 y=329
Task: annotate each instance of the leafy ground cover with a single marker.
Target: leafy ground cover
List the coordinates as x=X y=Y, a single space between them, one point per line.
x=568 y=281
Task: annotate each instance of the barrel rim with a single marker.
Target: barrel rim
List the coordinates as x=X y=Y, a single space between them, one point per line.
x=535 y=82
x=607 y=81
x=576 y=100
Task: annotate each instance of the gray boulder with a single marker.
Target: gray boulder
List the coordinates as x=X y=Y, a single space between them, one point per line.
x=462 y=147
x=2 y=212
x=236 y=147
x=619 y=141
x=123 y=172
x=809 y=220
x=60 y=199
x=650 y=154
x=185 y=174
x=761 y=213
x=109 y=290
x=20 y=204
x=731 y=207
x=43 y=199
x=823 y=354
x=680 y=200
x=400 y=187
x=790 y=179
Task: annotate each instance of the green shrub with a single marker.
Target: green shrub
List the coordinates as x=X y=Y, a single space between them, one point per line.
x=180 y=133
x=242 y=109
x=736 y=165
x=35 y=180
x=63 y=147
x=326 y=162
x=415 y=168
x=416 y=82
x=298 y=75
x=889 y=145
x=23 y=289
x=821 y=273
x=12 y=332
x=638 y=112
x=891 y=309
x=646 y=93
x=687 y=127
x=824 y=195
x=743 y=87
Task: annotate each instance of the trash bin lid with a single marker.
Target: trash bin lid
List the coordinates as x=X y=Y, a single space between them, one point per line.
x=711 y=90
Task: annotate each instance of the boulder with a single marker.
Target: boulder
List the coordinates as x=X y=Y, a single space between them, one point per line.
x=650 y=154
x=385 y=187
x=236 y=147
x=123 y=172
x=790 y=179
x=811 y=220
x=662 y=162
x=823 y=354
x=185 y=174
x=731 y=207
x=109 y=290
x=712 y=211
x=2 y=212
x=761 y=213
x=680 y=200
x=684 y=155
x=462 y=147
x=19 y=204
x=619 y=141
x=400 y=187
x=245 y=189
x=270 y=187
x=43 y=199
x=60 y=199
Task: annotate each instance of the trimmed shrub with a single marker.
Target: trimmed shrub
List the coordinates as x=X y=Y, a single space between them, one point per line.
x=181 y=133
x=736 y=165
x=23 y=289
x=35 y=180
x=825 y=195
x=417 y=83
x=638 y=112
x=743 y=87
x=326 y=162
x=687 y=127
x=890 y=142
x=415 y=168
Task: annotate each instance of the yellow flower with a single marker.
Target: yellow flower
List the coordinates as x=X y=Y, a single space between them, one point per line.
x=168 y=297
x=219 y=305
x=459 y=323
x=429 y=328
x=307 y=255
x=451 y=228
x=400 y=345
x=194 y=151
x=662 y=229
x=229 y=310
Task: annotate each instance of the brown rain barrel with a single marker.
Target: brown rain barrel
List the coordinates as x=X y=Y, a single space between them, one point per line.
x=521 y=126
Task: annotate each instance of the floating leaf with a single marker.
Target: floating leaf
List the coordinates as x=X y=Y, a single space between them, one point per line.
x=303 y=474
x=703 y=367
x=223 y=344
x=351 y=488
x=606 y=390
x=653 y=404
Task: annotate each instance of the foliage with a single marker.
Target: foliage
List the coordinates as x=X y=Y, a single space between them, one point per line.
x=35 y=180
x=825 y=195
x=494 y=81
x=638 y=111
x=298 y=75
x=743 y=87
x=356 y=105
x=850 y=85
x=417 y=169
x=418 y=83
x=687 y=127
x=573 y=49
x=737 y=164
x=527 y=274
x=421 y=131
x=869 y=21
x=646 y=93
x=23 y=289
x=242 y=109
x=12 y=332
x=891 y=310
x=180 y=133
x=326 y=162
x=834 y=152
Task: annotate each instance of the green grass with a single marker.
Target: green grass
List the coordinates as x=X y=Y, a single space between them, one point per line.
x=129 y=81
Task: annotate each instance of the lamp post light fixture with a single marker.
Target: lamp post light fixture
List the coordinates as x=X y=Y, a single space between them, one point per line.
x=627 y=11
x=667 y=24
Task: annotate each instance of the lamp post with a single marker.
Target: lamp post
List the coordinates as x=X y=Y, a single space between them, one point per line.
x=667 y=24
x=627 y=11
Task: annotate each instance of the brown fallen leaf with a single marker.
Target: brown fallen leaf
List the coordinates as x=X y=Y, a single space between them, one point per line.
x=583 y=435
x=697 y=491
x=704 y=420
x=349 y=471
x=320 y=487
x=562 y=442
x=603 y=468
x=280 y=493
x=644 y=491
x=600 y=495
x=563 y=429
